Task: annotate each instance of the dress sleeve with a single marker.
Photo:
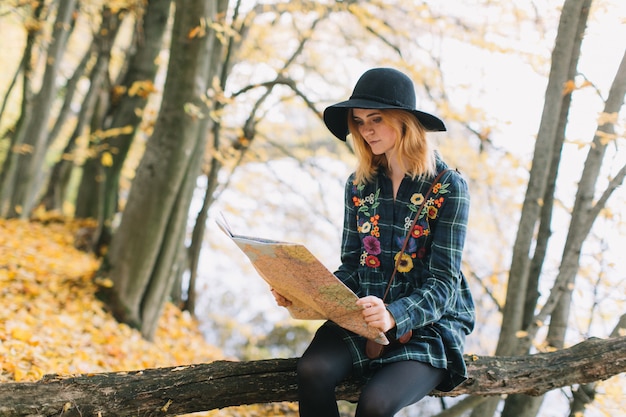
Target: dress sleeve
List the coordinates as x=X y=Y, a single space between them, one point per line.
x=350 y=242
x=442 y=277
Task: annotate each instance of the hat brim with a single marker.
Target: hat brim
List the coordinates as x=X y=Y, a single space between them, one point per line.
x=336 y=116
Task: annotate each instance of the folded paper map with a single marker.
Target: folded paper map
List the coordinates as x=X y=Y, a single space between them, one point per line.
x=296 y=274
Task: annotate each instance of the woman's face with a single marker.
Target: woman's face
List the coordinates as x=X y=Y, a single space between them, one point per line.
x=380 y=137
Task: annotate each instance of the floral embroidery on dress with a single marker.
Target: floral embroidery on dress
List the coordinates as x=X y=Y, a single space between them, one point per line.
x=368 y=224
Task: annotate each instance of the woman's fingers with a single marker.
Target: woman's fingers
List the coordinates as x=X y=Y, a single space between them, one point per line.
x=375 y=313
x=280 y=300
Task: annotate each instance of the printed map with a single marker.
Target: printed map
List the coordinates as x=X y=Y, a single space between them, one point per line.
x=315 y=292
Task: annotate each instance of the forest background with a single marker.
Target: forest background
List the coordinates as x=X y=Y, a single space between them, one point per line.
x=152 y=117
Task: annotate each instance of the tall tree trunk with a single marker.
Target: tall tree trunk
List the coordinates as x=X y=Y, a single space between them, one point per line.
x=514 y=308
x=521 y=405
x=125 y=114
x=197 y=235
x=143 y=250
x=9 y=165
x=92 y=115
x=583 y=212
x=55 y=193
x=25 y=169
x=215 y=164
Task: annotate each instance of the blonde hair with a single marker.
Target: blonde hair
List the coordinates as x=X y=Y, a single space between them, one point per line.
x=415 y=154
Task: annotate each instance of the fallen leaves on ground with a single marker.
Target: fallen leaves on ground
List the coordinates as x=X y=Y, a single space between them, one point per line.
x=52 y=323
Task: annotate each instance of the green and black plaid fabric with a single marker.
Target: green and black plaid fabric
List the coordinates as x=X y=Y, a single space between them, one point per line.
x=429 y=294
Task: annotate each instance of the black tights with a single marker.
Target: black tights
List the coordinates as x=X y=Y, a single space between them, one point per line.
x=327 y=361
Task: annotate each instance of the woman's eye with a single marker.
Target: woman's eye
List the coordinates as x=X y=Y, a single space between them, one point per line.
x=377 y=119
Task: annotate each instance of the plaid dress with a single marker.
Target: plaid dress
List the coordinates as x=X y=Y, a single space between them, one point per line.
x=429 y=294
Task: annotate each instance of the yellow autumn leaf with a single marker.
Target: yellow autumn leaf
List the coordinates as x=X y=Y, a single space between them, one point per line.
x=142 y=88
x=166 y=406
x=606 y=138
x=195 y=32
x=607 y=118
x=23 y=148
x=36 y=373
x=23 y=335
x=116 y=131
x=568 y=87
x=106 y=159
x=104 y=282
x=493 y=279
x=19 y=374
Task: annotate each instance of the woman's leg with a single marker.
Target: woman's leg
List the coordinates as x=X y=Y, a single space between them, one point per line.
x=396 y=386
x=325 y=363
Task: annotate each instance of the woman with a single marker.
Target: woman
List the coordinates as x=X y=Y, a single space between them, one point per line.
x=428 y=299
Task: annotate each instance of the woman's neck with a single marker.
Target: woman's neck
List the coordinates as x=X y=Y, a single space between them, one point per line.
x=396 y=174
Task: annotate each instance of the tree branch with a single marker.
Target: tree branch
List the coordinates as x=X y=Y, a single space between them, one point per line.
x=194 y=388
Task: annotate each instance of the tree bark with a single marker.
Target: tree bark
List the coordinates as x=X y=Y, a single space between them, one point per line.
x=194 y=388
x=10 y=163
x=92 y=114
x=23 y=171
x=56 y=190
x=144 y=249
x=544 y=148
x=520 y=405
x=518 y=282
x=124 y=114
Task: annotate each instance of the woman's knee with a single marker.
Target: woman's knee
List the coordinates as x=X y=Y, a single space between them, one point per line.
x=372 y=405
x=305 y=367
x=327 y=358
x=315 y=367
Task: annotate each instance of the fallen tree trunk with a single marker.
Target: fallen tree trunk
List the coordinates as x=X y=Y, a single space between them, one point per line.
x=194 y=388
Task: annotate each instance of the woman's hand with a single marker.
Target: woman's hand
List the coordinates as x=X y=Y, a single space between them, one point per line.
x=376 y=314
x=280 y=300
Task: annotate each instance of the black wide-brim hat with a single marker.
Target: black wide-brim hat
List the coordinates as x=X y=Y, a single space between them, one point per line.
x=379 y=88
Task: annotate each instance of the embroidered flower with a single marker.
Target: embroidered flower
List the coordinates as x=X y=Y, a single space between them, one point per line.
x=372 y=261
x=432 y=212
x=443 y=188
x=417 y=199
x=365 y=227
x=369 y=199
x=438 y=202
x=357 y=201
x=418 y=231
x=405 y=264
x=411 y=244
x=436 y=188
x=372 y=245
